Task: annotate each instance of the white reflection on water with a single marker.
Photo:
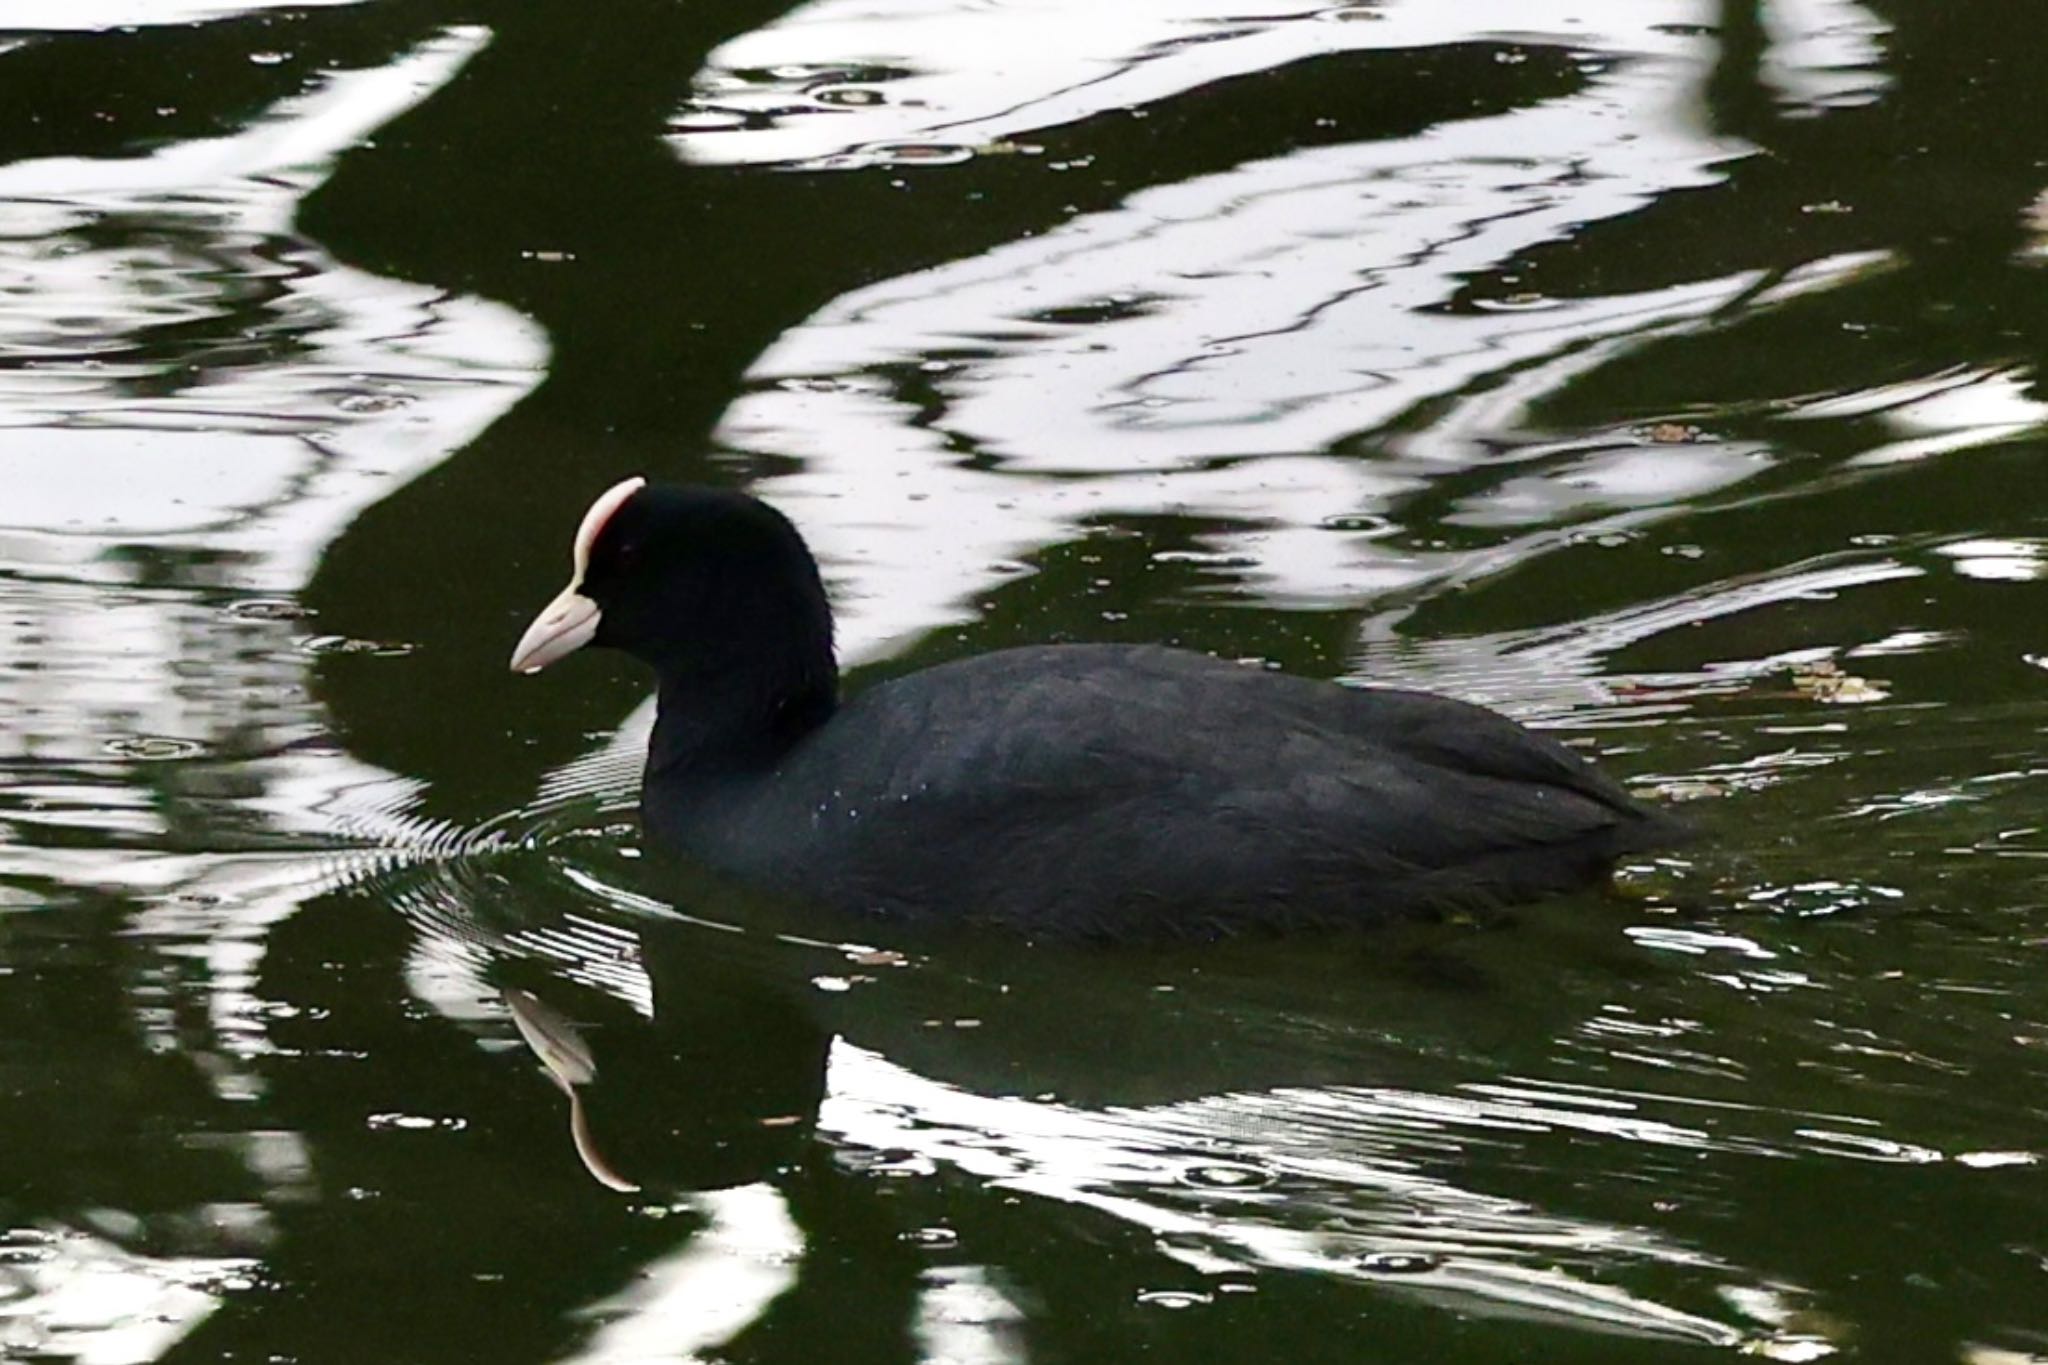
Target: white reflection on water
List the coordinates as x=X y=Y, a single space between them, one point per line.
x=1568 y=668
x=133 y=513
x=850 y=83
x=113 y=437
x=66 y=1294
x=1248 y=366
x=843 y=82
x=1347 y=1181
x=1354 y=1193
x=963 y=1318
x=82 y=16
x=1824 y=54
x=304 y=390
x=206 y=399
x=695 y=1299
x=1953 y=409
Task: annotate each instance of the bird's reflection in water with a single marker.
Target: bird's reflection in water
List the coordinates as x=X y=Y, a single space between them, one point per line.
x=713 y=1105
x=722 y=1087
x=892 y=1121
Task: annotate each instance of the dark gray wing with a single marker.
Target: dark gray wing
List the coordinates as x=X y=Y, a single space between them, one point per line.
x=1115 y=776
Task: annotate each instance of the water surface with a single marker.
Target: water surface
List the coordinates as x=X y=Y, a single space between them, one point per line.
x=1666 y=374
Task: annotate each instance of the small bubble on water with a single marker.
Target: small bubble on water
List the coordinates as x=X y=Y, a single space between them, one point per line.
x=270 y=58
x=1398 y=1263
x=1796 y=1349
x=1175 y=1299
x=1221 y=1175
x=934 y=1236
x=413 y=1123
x=848 y=96
x=152 y=748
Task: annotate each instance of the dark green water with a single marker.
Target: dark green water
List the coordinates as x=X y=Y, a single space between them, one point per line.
x=1664 y=373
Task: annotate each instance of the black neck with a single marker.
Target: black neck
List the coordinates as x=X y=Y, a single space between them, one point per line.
x=736 y=721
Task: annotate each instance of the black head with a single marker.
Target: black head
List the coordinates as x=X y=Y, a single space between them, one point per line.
x=714 y=589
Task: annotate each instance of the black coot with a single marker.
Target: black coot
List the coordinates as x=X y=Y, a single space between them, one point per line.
x=1078 y=790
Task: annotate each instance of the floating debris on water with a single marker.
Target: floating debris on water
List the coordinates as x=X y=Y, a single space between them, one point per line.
x=388 y=400
x=1825 y=681
x=270 y=609
x=1671 y=434
x=921 y=153
x=343 y=644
